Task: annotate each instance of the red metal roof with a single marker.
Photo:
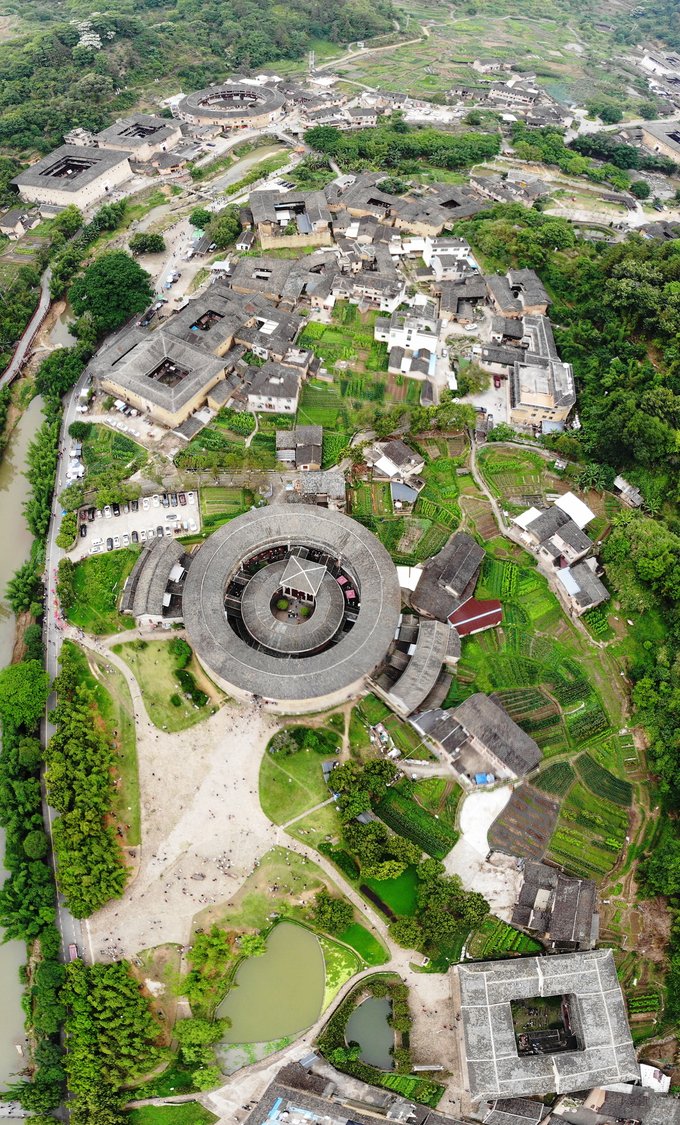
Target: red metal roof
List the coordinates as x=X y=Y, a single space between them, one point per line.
x=475 y=615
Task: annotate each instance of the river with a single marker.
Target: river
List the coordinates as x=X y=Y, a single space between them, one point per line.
x=16 y=545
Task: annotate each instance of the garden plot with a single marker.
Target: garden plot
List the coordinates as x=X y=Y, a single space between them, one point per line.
x=526 y=824
x=496 y=938
x=590 y=834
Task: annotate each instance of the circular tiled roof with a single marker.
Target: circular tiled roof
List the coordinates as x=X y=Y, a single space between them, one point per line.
x=273 y=674
x=231 y=99
x=292 y=638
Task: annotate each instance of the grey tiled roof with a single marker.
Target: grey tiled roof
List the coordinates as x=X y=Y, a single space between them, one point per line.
x=598 y=1017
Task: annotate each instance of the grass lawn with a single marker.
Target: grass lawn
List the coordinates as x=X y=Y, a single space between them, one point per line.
x=322 y=825
x=399 y=894
x=153 y=666
x=113 y=699
x=98 y=582
x=186 y=1113
x=368 y=947
x=290 y=784
x=175 y=1079
x=340 y=964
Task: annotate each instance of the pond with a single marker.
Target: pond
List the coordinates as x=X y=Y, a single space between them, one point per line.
x=279 y=993
x=368 y=1027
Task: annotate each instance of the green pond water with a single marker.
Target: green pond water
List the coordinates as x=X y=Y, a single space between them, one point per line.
x=368 y=1027
x=279 y=993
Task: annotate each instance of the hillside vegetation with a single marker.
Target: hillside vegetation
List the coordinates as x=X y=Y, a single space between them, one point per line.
x=85 y=69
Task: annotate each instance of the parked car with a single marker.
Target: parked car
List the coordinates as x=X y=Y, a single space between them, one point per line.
x=90 y=514
x=116 y=509
x=151 y=534
x=134 y=505
x=166 y=500
x=73 y=952
x=83 y=530
x=142 y=536
x=172 y=516
x=159 y=531
x=182 y=498
x=191 y=498
x=97 y=542
x=497 y=382
x=145 y=503
x=193 y=525
x=109 y=544
x=126 y=540
x=96 y=550
x=135 y=537
x=173 y=499
x=107 y=511
x=126 y=509
x=156 y=500
x=116 y=541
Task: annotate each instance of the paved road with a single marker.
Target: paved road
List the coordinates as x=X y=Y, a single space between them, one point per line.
x=70 y=928
x=24 y=345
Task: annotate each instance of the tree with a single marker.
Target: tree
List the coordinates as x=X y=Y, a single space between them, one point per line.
x=112 y=289
x=79 y=431
x=23 y=694
x=640 y=189
x=206 y=1077
x=252 y=945
x=22 y=588
x=35 y=844
x=340 y=1055
x=200 y=218
x=146 y=243
x=225 y=227
x=472 y=380
x=331 y=914
x=68 y=222
x=407 y=933
x=59 y=372
x=196 y=1037
x=33 y=643
x=71 y=497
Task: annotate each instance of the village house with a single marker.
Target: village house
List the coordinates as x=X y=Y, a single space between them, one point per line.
x=480 y=737
x=291 y=219
x=301 y=447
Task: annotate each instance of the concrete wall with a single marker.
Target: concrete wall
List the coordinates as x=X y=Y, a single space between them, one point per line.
x=290 y=706
x=158 y=413
x=273 y=242
x=83 y=197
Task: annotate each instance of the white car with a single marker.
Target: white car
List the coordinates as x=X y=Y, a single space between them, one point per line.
x=142 y=536
x=145 y=503
x=116 y=541
x=193 y=526
x=96 y=550
x=151 y=534
x=171 y=516
x=191 y=499
x=126 y=540
x=156 y=500
x=107 y=511
x=97 y=542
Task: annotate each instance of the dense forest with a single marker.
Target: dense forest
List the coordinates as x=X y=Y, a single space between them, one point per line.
x=87 y=71
x=651 y=20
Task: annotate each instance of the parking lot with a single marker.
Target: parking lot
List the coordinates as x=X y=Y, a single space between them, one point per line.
x=150 y=517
